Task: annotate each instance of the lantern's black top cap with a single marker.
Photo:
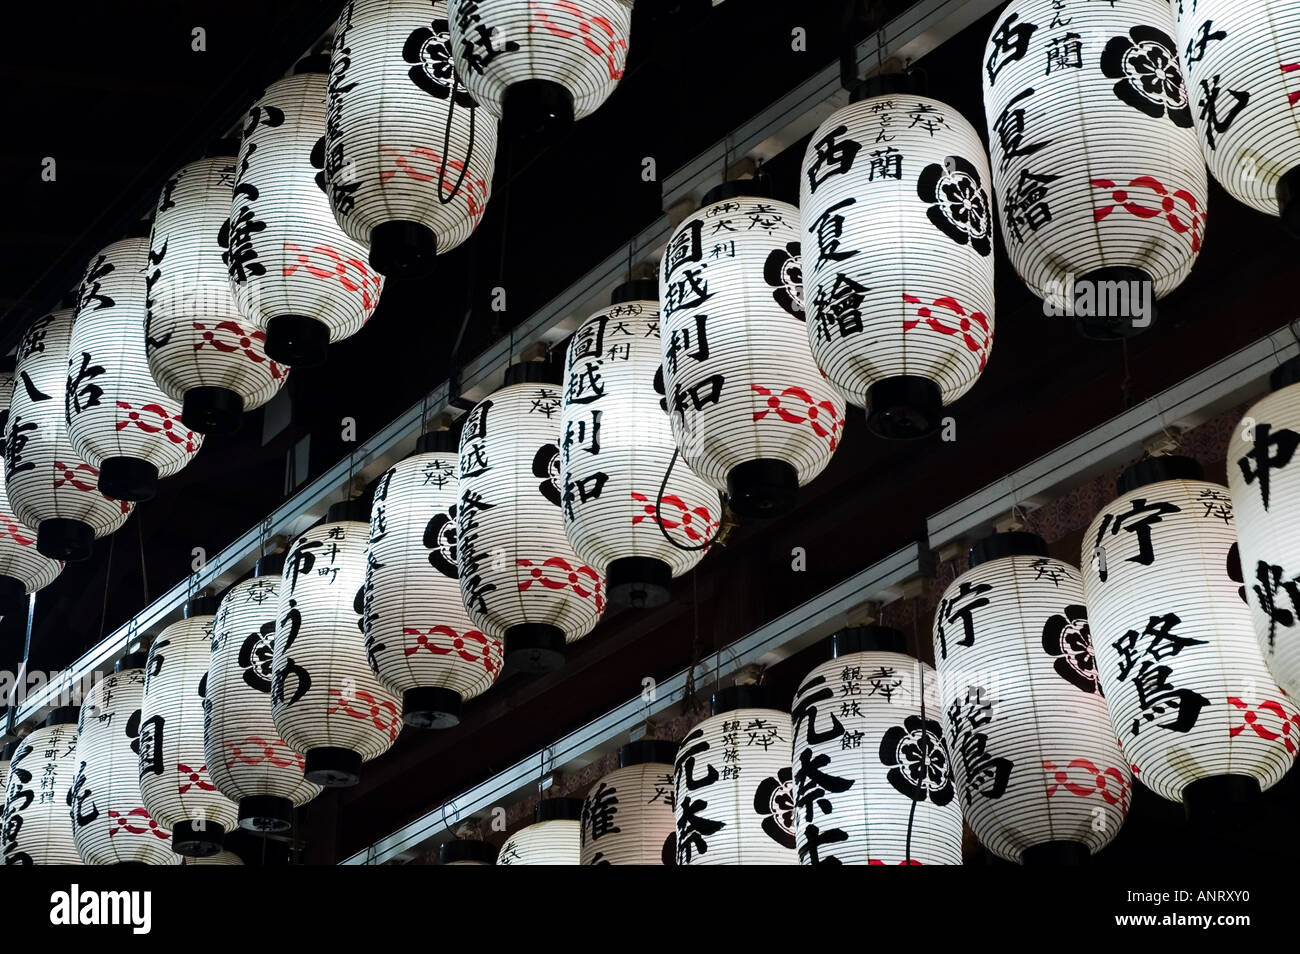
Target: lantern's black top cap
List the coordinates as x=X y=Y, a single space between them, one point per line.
x=201 y=606
x=316 y=63
x=355 y=510
x=63 y=715
x=1285 y=375
x=533 y=372
x=888 y=84
x=1013 y=543
x=272 y=564
x=1155 y=469
x=638 y=289
x=444 y=442
x=136 y=660
x=466 y=849
x=735 y=189
x=558 y=809
x=740 y=697
x=7 y=752
x=647 y=750
x=872 y=638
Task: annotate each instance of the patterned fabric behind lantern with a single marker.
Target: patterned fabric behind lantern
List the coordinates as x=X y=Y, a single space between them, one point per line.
x=1265 y=485
x=109 y=823
x=118 y=418
x=202 y=351
x=872 y=777
x=295 y=274
x=617 y=445
x=36 y=826
x=22 y=569
x=627 y=817
x=1198 y=713
x=543 y=64
x=247 y=759
x=467 y=851
x=1243 y=70
x=750 y=410
x=554 y=838
x=1038 y=773
x=902 y=335
x=408 y=157
x=419 y=638
x=1100 y=181
x=519 y=577
x=174 y=780
x=734 y=790
x=326 y=702
x=51 y=489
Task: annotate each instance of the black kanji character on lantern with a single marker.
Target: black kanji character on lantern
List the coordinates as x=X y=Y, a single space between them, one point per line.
x=985 y=774
x=806 y=708
x=1272 y=583
x=236 y=236
x=692 y=746
x=885 y=163
x=15 y=443
x=1009 y=42
x=1216 y=125
x=588 y=342
x=33 y=342
x=689 y=291
x=301 y=561
x=583 y=490
x=1010 y=127
x=1139 y=520
x=82 y=392
x=598 y=811
x=544 y=402
x=834 y=157
x=829 y=230
x=951 y=610
x=839 y=309
x=700 y=395
x=1204 y=37
x=90 y=287
x=813 y=783
x=269 y=116
x=1270 y=450
x=693 y=828
x=78 y=795
x=927 y=116
x=692 y=345
x=585 y=385
x=1155 y=695
x=478 y=39
x=583 y=434
x=1026 y=209
x=1064 y=52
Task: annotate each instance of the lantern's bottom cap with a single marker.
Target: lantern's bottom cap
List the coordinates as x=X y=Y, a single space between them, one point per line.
x=1120 y=301
x=265 y=814
x=197 y=839
x=431 y=707
x=1288 y=200
x=639 y=582
x=762 y=488
x=403 y=249
x=128 y=478
x=13 y=595
x=61 y=539
x=1222 y=799
x=1056 y=853
x=209 y=410
x=534 y=647
x=297 y=341
x=904 y=407
x=332 y=767
x=536 y=109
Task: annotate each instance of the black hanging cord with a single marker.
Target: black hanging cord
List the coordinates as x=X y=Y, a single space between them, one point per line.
x=446 y=144
x=144 y=571
x=108 y=578
x=925 y=739
x=659 y=499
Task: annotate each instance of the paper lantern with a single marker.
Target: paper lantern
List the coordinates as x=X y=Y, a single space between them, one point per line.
x=627 y=817
x=202 y=352
x=220 y=858
x=326 y=702
x=22 y=569
x=109 y=822
x=420 y=640
x=519 y=577
x=36 y=826
x=616 y=449
x=543 y=64
x=294 y=273
x=408 y=155
x=1038 y=773
x=6 y=758
x=902 y=335
x=118 y=419
x=554 y=838
x=50 y=488
x=466 y=851
x=247 y=759
x=734 y=790
x=872 y=776
x=174 y=780
x=1196 y=710
x=1242 y=60
x=1099 y=178
x=751 y=412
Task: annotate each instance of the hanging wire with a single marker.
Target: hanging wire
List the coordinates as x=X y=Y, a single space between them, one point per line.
x=925 y=734
x=144 y=570
x=446 y=144
x=108 y=578
x=659 y=499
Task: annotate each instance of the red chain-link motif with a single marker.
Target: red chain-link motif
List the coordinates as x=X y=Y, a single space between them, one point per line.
x=1188 y=219
x=135 y=822
x=255 y=750
x=9 y=527
x=193 y=778
x=1288 y=725
x=471 y=646
x=85 y=478
x=406 y=162
x=1291 y=98
x=821 y=416
x=972 y=326
x=1083 y=778
x=611 y=49
x=557 y=573
x=154 y=419
x=696 y=522
x=325 y=263
x=229 y=337
x=383 y=714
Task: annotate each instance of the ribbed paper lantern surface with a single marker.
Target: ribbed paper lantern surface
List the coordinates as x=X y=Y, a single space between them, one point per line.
x=734 y=789
x=408 y=153
x=201 y=350
x=247 y=759
x=1194 y=706
x=420 y=641
x=554 y=838
x=1242 y=59
x=615 y=449
x=37 y=830
x=52 y=490
x=295 y=274
x=752 y=413
x=22 y=569
x=109 y=821
x=627 y=817
x=1264 y=478
x=119 y=420
x=873 y=779
x=1037 y=771
x=540 y=63
x=1098 y=174
x=325 y=700
x=519 y=577
x=902 y=335
x=175 y=782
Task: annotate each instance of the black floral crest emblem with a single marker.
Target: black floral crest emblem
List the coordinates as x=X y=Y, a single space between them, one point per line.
x=959 y=204
x=434 y=70
x=917 y=760
x=1147 y=75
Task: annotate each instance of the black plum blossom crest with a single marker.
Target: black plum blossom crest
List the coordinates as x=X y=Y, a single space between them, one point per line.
x=429 y=48
x=960 y=205
x=1148 y=77
x=917 y=760
x=774 y=803
x=546 y=464
x=783 y=270
x=1066 y=636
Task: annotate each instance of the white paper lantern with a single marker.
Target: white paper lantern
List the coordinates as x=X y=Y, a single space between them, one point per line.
x=872 y=776
x=201 y=350
x=109 y=822
x=408 y=155
x=1038 y=773
x=295 y=274
x=1100 y=183
x=554 y=838
x=118 y=418
x=734 y=788
x=420 y=640
x=37 y=830
x=326 y=702
x=900 y=334
x=519 y=577
x=467 y=851
x=175 y=782
x=540 y=64
x=627 y=817
x=616 y=448
x=50 y=488
x=247 y=759
x=1242 y=59
x=220 y=858
x=22 y=569
x=1198 y=714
